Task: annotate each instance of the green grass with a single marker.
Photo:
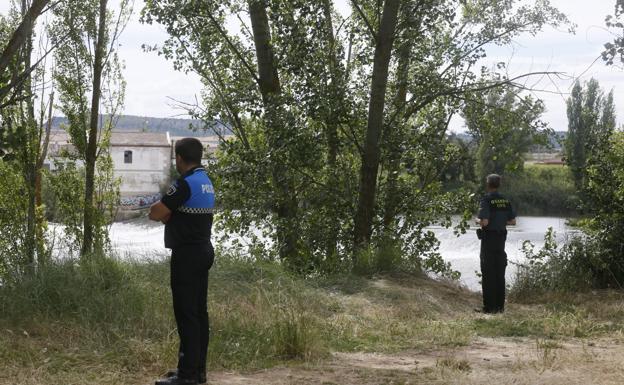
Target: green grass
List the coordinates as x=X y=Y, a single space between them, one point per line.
x=109 y=321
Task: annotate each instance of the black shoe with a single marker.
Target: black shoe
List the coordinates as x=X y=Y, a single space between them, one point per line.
x=201 y=377
x=175 y=380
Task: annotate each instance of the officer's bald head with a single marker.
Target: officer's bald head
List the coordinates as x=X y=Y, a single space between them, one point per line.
x=493 y=181
x=190 y=150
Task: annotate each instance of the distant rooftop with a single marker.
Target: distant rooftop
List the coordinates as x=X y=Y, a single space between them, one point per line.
x=134 y=139
x=175 y=127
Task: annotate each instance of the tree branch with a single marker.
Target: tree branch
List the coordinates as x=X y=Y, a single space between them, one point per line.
x=4 y=91
x=413 y=108
x=235 y=119
x=483 y=43
x=366 y=21
x=233 y=47
x=21 y=34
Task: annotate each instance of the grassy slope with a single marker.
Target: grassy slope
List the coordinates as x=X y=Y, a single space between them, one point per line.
x=111 y=323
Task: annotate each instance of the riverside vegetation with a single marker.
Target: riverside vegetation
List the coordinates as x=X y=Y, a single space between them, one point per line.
x=109 y=322
x=341 y=155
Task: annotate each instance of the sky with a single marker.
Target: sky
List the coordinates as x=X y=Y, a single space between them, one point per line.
x=153 y=84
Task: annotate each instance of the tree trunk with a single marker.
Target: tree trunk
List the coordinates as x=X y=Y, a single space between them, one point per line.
x=91 y=150
x=370 y=157
x=43 y=152
x=393 y=140
x=268 y=77
x=28 y=127
x=31 y=237
x=331 y=127
x=286 y=202
x=332 y=116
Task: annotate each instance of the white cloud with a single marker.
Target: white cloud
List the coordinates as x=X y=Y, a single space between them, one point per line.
x=575 y=55
x=151 y=79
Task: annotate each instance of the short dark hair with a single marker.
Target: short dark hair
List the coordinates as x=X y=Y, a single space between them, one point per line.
x=190 y=150
x=493 y=180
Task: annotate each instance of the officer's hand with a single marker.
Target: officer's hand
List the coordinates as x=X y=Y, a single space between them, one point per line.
x=485 y=222
x=159 y=212
x=166 y=218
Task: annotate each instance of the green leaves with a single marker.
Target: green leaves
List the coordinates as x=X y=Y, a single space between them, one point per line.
x=505 y=125
x=591 y=120
x=299 y=149
x=614 y=51
x=13 y=212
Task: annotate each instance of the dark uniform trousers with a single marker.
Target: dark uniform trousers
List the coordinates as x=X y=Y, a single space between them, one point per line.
x=493 y=264
x=189 y=287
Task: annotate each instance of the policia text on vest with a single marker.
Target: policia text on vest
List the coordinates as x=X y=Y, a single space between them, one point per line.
x=495 y=213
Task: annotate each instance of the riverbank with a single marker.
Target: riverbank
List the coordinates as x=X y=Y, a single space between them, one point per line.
x=110 y=323
x=141 y=239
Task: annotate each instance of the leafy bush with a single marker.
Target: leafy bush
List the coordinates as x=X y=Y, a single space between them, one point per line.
x=13 y=223
x=391 y=256
x=581 y=264
x=595 y=260
x=63 y=197
x=605 y=203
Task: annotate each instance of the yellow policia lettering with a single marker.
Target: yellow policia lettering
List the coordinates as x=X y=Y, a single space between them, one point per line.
x=499 y=203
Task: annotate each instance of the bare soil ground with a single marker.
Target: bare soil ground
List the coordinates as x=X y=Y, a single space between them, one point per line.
x=485 y=361
x=497 y=361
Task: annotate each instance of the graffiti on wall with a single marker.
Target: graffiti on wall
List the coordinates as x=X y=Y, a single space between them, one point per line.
x=138 y=202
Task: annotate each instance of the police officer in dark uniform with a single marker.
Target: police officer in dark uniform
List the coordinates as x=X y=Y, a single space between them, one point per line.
x=495 y=213
x=187 y=212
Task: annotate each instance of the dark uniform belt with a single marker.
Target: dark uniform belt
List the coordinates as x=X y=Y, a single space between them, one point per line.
x=481 y=232
x=496 y=231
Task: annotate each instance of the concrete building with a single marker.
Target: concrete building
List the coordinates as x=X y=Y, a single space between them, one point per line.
x=143 y=161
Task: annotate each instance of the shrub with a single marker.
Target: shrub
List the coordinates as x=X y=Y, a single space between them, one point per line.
x=605 y=203
x=581 y=264
x=13 y=223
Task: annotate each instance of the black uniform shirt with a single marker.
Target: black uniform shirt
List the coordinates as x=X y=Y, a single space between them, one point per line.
x=191 y=201
x=497 y=209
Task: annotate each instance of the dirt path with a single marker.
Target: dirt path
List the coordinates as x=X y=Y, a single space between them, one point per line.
x=486 y=361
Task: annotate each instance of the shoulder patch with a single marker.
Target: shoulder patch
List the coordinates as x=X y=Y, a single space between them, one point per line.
x=172 y=189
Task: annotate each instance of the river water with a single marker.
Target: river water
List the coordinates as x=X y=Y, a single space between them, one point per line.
x=143 y=239
x=463 y=251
